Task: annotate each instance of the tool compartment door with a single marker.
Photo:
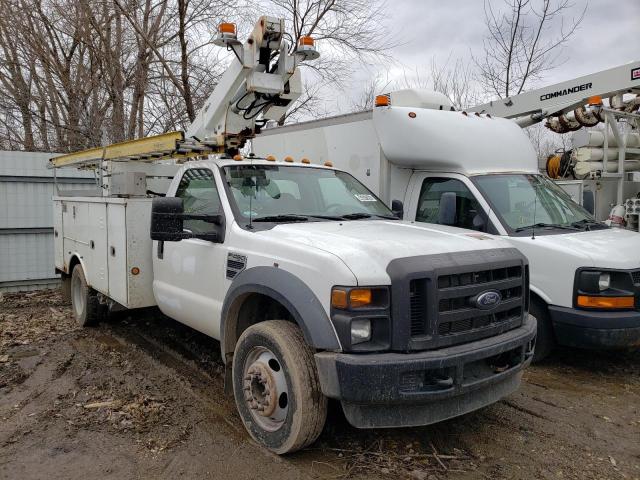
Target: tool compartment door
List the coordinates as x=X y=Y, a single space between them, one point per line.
x=117 y=252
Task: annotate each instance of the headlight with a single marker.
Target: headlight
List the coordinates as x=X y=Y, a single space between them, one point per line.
x=360 y=330
x=604 y=282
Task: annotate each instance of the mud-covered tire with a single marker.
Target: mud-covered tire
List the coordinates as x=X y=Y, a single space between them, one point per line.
x=306 y=406
x=84 y=300
x=545 y=339
x=65 y=288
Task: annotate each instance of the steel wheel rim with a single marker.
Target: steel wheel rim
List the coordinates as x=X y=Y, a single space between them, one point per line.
x=265 y=389
x=77 y=296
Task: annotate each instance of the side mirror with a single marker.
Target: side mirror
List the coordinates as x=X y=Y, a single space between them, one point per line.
x=447 y=210
x=166 y=219
x=397 y=208
x=167 y=222
x=479 y=222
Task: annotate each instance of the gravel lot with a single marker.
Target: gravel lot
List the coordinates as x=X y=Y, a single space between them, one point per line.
x=141 y=397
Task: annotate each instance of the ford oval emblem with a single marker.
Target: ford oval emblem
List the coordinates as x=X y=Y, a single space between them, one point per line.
x=487 y=300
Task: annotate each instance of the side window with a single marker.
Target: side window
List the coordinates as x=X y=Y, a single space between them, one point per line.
x=200 y=197
x=467 y=206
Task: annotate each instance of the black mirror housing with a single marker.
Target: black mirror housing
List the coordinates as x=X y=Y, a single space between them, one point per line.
x=447 y=210
x=397 y=208
x=166 y=219
x=167 y=222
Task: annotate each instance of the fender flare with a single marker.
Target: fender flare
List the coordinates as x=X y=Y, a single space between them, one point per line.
x=82 y=264
x=288 y=290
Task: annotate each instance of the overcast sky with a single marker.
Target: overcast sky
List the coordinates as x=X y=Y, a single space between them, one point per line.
x=608 y=36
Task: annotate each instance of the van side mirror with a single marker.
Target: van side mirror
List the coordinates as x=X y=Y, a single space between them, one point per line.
x=447 y=210
x=397 y=208
x=167 y=222
x=479 y=222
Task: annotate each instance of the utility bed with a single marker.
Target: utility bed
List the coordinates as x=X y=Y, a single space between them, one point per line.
x=112 y=235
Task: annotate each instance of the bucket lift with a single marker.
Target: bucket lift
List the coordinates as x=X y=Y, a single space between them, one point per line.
x=260 y=84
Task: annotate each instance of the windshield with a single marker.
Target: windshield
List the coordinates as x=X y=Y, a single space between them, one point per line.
x=288 y=193
x=524 y=201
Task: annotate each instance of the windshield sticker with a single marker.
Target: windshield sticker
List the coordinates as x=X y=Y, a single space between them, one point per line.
x=364 y=197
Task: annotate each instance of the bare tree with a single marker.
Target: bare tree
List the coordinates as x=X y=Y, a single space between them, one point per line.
x=523 y=42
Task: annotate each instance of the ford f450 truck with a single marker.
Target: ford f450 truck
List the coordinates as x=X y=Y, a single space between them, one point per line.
x=313 y=288
x=480 y=172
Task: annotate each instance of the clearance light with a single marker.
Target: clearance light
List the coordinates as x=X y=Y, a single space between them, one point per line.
x=288 y=159
x=306 y=160
x=135 y=271
x=382 y=101
x=605 y=302
x=595 y=100
x=306 y=49
x=226 y=27
x=237 y=158
x=328 y=164
x=307 y=41
x=270 y=158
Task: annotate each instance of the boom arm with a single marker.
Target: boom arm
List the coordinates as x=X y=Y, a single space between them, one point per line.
x=259 y=85
x=559 y=99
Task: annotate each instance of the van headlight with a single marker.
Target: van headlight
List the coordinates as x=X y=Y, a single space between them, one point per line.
x=604 y=281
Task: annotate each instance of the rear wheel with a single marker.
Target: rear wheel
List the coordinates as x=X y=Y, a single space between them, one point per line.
x=84 y=299
x=545 y=340
x=276 y=387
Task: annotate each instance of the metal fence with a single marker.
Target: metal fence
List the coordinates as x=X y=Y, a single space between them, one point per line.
x=26 y=218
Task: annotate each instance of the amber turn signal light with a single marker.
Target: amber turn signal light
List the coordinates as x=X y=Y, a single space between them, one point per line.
x=605 y=302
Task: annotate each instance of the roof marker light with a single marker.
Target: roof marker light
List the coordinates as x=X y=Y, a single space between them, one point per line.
x=328 y=164
x=270 y=158
x=382 y=101
x=306 y=160
x=288 y=159
x=237 y=158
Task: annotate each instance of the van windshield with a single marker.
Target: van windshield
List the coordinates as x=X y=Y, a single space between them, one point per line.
x=278 y=193
x=527 y=201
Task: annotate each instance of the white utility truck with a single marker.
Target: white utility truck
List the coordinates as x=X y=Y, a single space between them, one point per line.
x=480 y=172
x=313 y=287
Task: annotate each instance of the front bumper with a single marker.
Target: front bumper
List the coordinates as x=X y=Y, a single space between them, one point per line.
x=595 y=329
x=411 y=389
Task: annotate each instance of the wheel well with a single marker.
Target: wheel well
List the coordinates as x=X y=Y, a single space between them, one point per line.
x=72 y=264
x=249 y=309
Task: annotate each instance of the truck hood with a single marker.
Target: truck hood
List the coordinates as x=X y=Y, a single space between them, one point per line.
x=610 y=248
x=367 y=247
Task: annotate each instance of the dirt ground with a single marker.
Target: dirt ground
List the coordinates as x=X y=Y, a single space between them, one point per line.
x=142 y=397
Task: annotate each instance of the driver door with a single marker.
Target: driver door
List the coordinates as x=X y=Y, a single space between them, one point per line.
x=189 y=274
x=471 y=209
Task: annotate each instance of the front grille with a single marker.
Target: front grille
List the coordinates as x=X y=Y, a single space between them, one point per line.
x=450 y=315
x=417 y=307
x=636 y=277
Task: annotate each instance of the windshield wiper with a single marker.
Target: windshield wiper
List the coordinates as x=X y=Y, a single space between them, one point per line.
x=586 y=224
x=355 y=216
x=281 y=218
x=547 y=225
x=294 y=217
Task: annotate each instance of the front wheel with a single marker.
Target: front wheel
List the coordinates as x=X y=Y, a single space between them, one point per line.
x=276 y=387
x=545 y=340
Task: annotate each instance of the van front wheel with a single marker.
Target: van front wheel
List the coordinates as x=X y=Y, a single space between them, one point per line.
x=276 y=387
x=545 y=339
